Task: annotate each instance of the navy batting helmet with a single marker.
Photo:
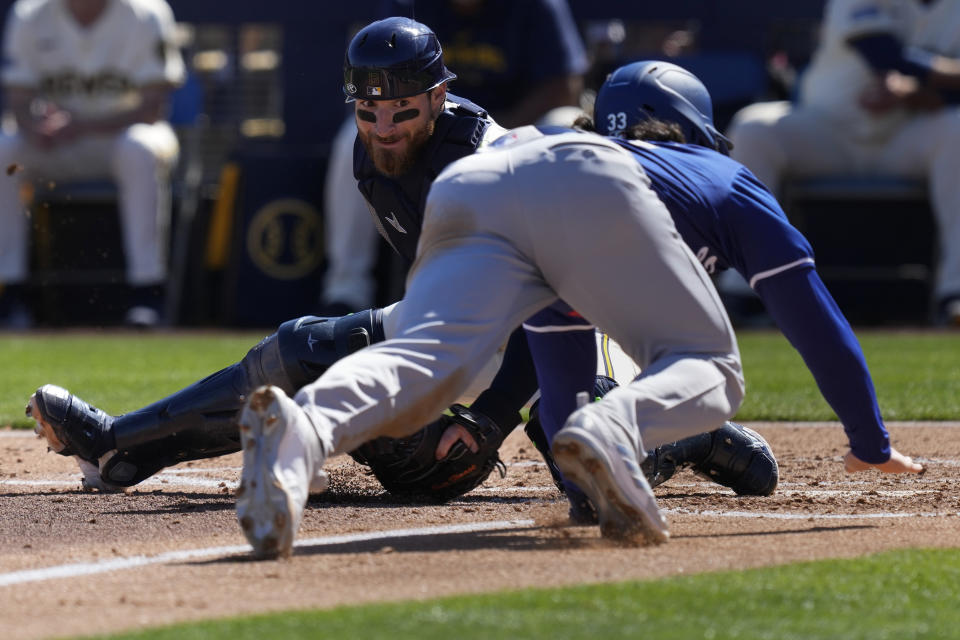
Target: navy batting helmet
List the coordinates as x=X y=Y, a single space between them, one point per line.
x=393 y=58
x=661 y=90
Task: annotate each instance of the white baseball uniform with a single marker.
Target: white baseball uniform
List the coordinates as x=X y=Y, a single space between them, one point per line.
x=93 y=72
x=829 y=133
x=508 y=231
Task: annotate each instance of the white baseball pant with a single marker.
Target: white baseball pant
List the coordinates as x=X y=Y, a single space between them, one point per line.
x=138 y=160
x=774 y=139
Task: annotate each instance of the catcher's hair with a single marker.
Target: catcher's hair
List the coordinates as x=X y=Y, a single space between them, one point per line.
x=650 y=129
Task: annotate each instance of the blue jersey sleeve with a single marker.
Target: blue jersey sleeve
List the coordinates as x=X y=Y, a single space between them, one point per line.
x=727 y=217
x=808 y=316
x=564 y=352
x=761 y=240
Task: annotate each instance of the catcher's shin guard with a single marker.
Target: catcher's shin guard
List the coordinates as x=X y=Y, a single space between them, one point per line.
x=200 y=421
x=733 y=456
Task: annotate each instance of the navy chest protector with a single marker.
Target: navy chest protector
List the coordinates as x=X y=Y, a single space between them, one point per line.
x=399 y=202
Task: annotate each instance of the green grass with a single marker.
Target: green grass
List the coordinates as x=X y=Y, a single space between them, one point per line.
x=116 y=372
x=902 y=595
x=897 y=596
x=917 y=374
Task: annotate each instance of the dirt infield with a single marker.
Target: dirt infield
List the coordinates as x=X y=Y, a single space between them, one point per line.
x=80 y=563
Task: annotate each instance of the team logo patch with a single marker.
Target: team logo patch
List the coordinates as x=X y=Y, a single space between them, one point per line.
x=284 y=237
x=351 y=88
x=373 y=84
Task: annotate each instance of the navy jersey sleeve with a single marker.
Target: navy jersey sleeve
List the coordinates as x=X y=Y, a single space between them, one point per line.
x=564 y=352
x=808 y=316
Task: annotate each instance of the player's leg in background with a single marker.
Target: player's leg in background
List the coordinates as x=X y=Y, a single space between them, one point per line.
x=775 y=139
x=613 y=362
x=928 y=146
x=141 y=160
x=15 y=157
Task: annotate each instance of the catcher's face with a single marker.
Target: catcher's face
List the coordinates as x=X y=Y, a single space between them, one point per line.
x=395 y=131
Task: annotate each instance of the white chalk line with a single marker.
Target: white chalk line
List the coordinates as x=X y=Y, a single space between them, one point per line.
x=808 y=516
x=817 y=424
x=116 y=564
x=176 y=481
x=77 y=569
x=185 y=478
x=164 y=479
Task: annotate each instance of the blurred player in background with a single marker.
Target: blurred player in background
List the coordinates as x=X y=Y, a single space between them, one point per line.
x=879 y=97
x=88 y=83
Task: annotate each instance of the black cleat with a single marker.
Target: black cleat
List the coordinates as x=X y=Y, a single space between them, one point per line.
x=582 y=511
x=733 y=456
x=71 y=426
x=741 y=459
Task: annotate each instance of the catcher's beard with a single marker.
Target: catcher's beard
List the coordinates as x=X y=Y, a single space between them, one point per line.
x=396 y=162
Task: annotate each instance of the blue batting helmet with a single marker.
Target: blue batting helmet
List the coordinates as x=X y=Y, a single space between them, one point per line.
x=393 y=58
x=661 y=90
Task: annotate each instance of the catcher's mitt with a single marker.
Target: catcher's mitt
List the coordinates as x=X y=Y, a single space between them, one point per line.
x=408 y=467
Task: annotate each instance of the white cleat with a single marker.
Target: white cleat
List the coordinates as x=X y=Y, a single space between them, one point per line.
x=282 y=457
x=608 y=472
x=92 y=481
